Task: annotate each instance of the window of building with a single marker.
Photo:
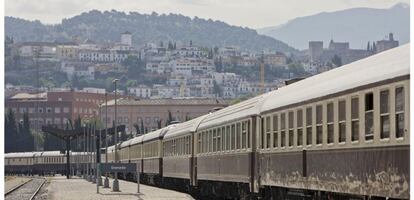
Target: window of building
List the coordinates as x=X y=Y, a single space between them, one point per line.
x=65 y=109
x=369 y=116
x=290 y=126
x=275 y=130
x=22 y=110
x=319 y=130
x=399 y=112
x=342 y=120
x=309 y=126
x=282 y=130
x=329 y=123
x=268 y=133
x=384 y=114
x=355 y=118
x=57 y=109
x=299 y=125
x=48 y=110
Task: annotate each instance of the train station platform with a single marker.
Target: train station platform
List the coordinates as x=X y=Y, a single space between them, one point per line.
x=60 y=188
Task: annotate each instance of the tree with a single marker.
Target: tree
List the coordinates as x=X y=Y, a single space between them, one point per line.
x=337 y=61
x=217 y=89
x=25 y=135
x=374 y=47
x=210 y=54
x=161 y=44
x=159 y=123
x=10 y=131
x=219 y=64
x=170 y=46
x=142 y=127
x=169 y=118
x=137 y=129
x=368 y=46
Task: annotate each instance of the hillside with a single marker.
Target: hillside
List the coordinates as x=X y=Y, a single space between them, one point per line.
x=107 y=26
x=357 y=25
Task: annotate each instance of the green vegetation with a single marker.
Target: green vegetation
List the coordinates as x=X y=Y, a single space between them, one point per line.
x=108 y=25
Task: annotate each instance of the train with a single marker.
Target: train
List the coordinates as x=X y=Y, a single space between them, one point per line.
x=341 y=134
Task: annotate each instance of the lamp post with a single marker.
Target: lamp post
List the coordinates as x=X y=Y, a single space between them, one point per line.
x=115 y=186
x=84 y=152
x=106 y=182
x=89 y=152
x=93 y=152
x=98 y=158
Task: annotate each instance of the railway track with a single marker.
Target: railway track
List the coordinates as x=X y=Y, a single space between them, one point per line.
x=25 y=191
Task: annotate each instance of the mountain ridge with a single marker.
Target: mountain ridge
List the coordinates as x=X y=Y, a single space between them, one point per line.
x=107 y=25
x=357 y=25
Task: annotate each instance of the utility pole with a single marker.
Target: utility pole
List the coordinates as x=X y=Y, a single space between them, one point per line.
x=98 y=158
x=115 y=187
x=106 y=182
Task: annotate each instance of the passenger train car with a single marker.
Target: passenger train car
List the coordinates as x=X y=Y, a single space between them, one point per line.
x=342 y=134
x=47 y=162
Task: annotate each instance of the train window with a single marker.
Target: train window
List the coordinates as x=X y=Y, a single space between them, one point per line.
x=342 y=120
x=219 y=139
x=282 y=130
x=369 y=116
x=238 y=135
x=223 y=138
x=205 y=136
x=290 y=126
x=299 y=124
x=214 y=141
x=228 y=138
x=319 y=130
x=384 y=114
x=233 y=136
x=309 y=126
x=263 y=134
x=244 y=134
x=355 y=118
x=275 y=130
x=172 y=147
x=399 y=112
x=330 y=127
x=210 y=141
x=199 y=143
x=248 y=134
x=268 y=133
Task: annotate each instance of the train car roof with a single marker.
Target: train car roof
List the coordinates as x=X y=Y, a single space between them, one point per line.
x=184 y=128
x=234 y=112
x=125 y=143
x=51 y=153
x=111 y=148
x=382 y=66
x=157 y=134
x=19 y=154
x=137 y=140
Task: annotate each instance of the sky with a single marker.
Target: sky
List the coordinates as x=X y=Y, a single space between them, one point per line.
x=246 y=13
